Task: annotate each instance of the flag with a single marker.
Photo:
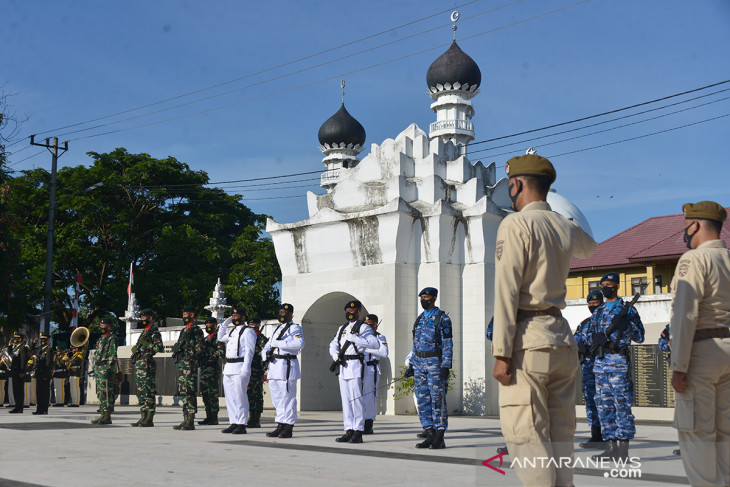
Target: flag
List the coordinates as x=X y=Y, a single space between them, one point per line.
x=75 y=311
x=131 y=278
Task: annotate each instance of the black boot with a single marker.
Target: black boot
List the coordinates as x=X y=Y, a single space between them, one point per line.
x=610 y=453
x=595 y=441
x=287 y=431
x=622 y=450
x=429 y=439
x=254 y=420
x=240 y=430
x=16 y=410
x=422 y=434
x=206 y=420
x=368 y=427
x=356 y=437
x=346 y=437
x=230 y=429
x=213 y=421
x=438 y=442
x=275 y=433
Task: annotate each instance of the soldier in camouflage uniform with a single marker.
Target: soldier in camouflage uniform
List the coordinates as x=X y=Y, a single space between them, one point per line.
x=186 y=353
x=210 y=371
x=145 y=368
x=104 y=369
x=255 y=389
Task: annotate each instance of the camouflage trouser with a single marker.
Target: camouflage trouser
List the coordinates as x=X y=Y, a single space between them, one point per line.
x=145 y=374
x=105 y=389
x=255 y=391
x=589 y=393
x=614 y=396
x=210 y=376
x=430 y=393
x=187 y=385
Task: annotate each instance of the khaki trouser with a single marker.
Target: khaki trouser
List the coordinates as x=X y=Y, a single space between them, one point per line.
x=2 y=391
x=537 y=413
x=75 y=389
x=702 y=414
x=60 y=392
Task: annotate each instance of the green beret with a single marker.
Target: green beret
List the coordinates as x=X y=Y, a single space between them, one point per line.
x=147 y=312
x=530 y=165
x=106 y=321
x=705 y=210
x=189 y=309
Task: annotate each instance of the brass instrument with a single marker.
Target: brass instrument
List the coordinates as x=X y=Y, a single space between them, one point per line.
x=6 y=358
x=80 y=337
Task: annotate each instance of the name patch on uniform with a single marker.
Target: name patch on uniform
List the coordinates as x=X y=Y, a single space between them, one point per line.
x=683 y=267
x=498 y=251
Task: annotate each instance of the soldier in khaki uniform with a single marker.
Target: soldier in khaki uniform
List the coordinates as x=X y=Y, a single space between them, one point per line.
x=700 y=340
x=536 y=355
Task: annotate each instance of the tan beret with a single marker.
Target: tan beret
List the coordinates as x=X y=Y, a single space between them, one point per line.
x=705 y=210
x=530 y=165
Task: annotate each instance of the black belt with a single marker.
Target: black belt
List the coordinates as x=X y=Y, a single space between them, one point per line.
x=427 y=354
x=235 y=360
x=353 y=357
x=372 y=362
x=288 y=357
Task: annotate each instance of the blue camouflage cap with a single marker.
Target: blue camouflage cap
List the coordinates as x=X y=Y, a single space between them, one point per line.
x=429 y=291
x=594 y=295
x=611 y=277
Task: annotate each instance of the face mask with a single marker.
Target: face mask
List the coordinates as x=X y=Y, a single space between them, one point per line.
x=592 y=308
x=349 y=316
x=187 y=320
x=608 y=292
x=144 y=322
x=104 y=330
x=209 y=329
x=236 y=322
x=688 y=238
x=517 y=193
x=282 y=319
x=425 y=303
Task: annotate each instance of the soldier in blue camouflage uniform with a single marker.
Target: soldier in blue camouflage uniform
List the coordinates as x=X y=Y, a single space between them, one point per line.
x=210 y=371
x=431 y=362
x=148 y=344
x=664 y=343
x=186 y=353
x=105 y=366
x=612 y=368
x=594 y=300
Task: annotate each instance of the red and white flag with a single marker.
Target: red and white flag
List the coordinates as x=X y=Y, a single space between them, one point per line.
x=75 y=311
x=131 y=278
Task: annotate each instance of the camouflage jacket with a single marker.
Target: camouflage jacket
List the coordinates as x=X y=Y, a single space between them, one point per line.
x=213 y=351
x=149 y=342
x=106 y=354
x=189 y=344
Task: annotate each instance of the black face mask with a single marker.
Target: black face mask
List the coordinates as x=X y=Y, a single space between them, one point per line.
x=349 y=316
x=425 y=303
x=236 y=322
x=517 y=193
x=187 y=320
x=282 y=319
x=210 y=329
x=144 y=323
x=688 y=238
x=592 y=308
x=608 y=292
x=104 y=330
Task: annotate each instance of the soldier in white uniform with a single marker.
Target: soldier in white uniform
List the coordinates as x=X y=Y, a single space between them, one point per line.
x=372 y=374
x=240 y=342
x=700 y=341
x=348 y=350
x=280 y=356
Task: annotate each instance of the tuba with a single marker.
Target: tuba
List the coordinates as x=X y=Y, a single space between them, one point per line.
x=5 y=358
x=79 y=337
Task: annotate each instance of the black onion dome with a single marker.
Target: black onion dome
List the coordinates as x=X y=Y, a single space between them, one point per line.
x=341 y=128
x=454 y=66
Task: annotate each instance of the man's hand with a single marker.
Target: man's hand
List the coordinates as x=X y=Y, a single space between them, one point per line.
x=621 y=324
x=599 y=339
x=679 y=381
x=582 y=348
x=501 y=371
x=410 y=372
x=444 y=374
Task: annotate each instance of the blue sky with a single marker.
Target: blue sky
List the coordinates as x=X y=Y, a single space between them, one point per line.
x=70 y=62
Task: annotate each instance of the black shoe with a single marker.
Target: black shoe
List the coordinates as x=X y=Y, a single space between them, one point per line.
x=39 y=412
x=74 y=406
x=206 y=420
x=438 y=442
x=356 y=437
x=16 y=410
x=502 y=449
x=610 y=453
x=275 y=433
x=240 y=430
x=286 y=431
x=429 y=439
x=422 y=434
x=595 y=441
x=58 y=405
x=230 y=429
x=346 y=437
x=368 y=427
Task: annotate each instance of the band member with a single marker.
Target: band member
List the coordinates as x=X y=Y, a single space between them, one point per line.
x=255 y=389
x=280 y=356
x=75 y=369
x=42 y=371
x=210 y=371
x=240 y=342
x=60 y=375
x=348 y=349
x=186 y=353
x=372 y=374
x=105 y=366
x=19 y=353
x=148 y=344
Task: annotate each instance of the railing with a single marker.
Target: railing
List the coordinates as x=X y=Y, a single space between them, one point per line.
x=329 y=177
x=452 y=124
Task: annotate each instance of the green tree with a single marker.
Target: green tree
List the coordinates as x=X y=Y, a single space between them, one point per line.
x=158 y=214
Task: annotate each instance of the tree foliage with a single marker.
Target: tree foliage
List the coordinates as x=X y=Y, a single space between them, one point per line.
x=157 y=213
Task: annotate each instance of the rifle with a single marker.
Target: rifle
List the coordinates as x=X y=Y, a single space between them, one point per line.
x=598 y=350
x=334 y=368
x=270 y=352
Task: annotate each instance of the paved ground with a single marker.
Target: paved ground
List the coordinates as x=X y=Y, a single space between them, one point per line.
x=63 y=449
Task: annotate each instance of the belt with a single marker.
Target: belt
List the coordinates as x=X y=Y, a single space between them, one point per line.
x=353 y=357
x=288 y=357
x=433 y=353
x=234 y=360
x=372 y=362
x=707 y=333
x=525 y=314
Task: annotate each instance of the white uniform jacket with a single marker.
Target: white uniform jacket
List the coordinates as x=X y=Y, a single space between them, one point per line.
x=240 y=344
x=286 y=341
x=364 y=340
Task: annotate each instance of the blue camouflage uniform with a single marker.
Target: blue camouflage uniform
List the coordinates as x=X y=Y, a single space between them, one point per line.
x=664 y=342
x=614 y=386
x=432 y=350
x=588 y=377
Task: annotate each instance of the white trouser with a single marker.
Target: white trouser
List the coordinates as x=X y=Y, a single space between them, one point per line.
x=284 y=401
x=29 y=393
x=235 y=387
x=353 y=404
x=370 y=390
x=58 y=387
x=75 y=387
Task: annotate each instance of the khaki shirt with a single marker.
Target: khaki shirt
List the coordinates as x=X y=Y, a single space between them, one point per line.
x=533 y=254
x=700 y=297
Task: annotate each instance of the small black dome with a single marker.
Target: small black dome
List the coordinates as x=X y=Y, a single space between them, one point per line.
x=454 y=66
x=341 y=128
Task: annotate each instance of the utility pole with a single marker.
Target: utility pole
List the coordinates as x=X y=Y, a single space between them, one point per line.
x=53 y=149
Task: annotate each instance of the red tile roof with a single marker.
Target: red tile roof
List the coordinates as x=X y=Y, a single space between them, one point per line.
x=658 y=238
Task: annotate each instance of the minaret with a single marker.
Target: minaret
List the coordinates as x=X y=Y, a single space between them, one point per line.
x=218 y=306
x=341 y=139
x=453 y=80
